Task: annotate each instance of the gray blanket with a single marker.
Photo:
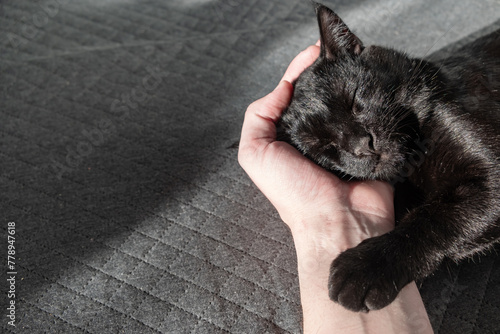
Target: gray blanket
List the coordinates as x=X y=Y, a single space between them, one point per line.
x=126 y=210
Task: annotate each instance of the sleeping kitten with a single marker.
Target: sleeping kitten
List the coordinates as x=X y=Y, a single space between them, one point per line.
x=432 y=130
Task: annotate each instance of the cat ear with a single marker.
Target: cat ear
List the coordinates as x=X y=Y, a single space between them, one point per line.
x=335 y=35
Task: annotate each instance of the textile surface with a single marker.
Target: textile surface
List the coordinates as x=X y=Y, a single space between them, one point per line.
x=126 y=207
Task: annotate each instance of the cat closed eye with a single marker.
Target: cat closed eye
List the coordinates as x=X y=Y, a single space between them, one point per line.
x=356 y=111
x=354 y=107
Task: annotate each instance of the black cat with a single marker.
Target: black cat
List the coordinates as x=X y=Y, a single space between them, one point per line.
x=431 y=129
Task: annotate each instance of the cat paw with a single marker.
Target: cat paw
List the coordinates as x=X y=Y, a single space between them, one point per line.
x=368 y=277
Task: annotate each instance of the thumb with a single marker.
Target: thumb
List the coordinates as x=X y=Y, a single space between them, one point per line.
x=276 y=101
x=262 y=115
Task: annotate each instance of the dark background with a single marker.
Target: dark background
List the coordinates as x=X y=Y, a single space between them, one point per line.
x=131 y=213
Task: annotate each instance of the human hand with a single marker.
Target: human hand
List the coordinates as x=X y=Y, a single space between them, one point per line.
x=325 y=214
x=307 y=197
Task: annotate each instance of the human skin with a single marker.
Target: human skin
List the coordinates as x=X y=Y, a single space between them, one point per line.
x=325 y=215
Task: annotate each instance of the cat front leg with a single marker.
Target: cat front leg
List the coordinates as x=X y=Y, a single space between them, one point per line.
x=370 y=275
x=456 y=224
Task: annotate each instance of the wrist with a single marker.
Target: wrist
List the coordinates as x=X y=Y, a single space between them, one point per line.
x=319 y=239
x=334 y=231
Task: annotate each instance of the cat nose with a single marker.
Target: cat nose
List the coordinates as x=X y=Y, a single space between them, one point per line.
x=364 y=146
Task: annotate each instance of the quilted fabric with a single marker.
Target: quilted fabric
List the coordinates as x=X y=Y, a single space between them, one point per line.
x=131 y=213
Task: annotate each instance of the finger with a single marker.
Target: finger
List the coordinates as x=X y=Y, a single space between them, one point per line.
x=301 y=62
x=260 y=118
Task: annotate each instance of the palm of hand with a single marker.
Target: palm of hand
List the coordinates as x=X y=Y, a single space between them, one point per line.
x=298 y=188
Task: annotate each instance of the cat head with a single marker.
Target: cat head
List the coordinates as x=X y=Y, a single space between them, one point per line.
x=355 y=109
